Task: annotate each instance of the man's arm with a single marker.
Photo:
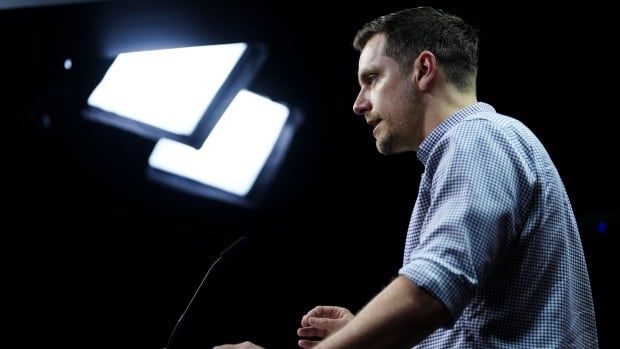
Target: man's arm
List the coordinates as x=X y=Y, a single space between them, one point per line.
x=398 y=317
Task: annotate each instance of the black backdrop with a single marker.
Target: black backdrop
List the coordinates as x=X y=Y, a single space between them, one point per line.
x=98 y=256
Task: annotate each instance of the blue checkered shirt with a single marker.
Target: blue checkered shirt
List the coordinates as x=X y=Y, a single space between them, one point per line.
x=494 y=238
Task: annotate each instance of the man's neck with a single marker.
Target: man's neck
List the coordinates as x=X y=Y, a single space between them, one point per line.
x=443 y=103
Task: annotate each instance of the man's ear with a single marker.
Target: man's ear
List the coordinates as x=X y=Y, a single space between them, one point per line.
x=424 y=70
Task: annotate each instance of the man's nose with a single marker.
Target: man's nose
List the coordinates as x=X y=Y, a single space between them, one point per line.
x=361 y=105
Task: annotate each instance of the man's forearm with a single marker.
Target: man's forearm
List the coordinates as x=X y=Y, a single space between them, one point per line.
x=398 y=317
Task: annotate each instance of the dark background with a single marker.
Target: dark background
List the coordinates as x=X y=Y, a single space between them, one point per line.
x=99 y=256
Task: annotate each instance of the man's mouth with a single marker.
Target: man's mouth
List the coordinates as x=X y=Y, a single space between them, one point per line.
x=373 y=122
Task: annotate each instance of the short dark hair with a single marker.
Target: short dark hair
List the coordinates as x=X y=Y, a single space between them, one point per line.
x=409 y=32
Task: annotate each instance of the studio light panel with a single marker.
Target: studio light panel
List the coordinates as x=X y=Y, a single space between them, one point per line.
x=236 y=150
x=174 y=93
x=213 y=136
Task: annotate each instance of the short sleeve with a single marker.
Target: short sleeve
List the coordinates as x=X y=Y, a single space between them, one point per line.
x=477 y=187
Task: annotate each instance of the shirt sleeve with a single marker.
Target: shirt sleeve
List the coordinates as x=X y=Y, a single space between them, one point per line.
x=477 y=191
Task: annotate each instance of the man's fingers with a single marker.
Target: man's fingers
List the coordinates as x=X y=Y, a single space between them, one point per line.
x=320 y=311
x=244 y=345
x=323 y=323
x=311 y=332
x=304 y=343
x=326 y=311
x=304 y=319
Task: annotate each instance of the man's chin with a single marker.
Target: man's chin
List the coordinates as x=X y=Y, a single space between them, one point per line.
x=388 y=148
x=383 y=148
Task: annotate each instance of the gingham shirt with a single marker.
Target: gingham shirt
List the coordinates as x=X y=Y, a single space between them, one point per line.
x=494 y=238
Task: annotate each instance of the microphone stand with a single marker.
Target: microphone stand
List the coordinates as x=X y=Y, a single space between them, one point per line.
x=242 y=241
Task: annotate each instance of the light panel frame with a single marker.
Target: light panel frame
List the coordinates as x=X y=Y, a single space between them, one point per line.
x=264 y=180
x=241 y=75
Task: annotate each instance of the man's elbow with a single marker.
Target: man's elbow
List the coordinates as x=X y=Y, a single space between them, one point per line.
x=427 y=310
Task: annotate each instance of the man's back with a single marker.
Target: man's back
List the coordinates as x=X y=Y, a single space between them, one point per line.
x=494 y=237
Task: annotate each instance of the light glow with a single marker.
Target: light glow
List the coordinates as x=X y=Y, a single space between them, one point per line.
x=169 y=89
x=236 y=150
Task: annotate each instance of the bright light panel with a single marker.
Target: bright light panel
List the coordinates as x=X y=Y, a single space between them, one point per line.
x=169 y=89
x=235 y=151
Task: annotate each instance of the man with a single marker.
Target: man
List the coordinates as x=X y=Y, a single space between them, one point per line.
x=493 y=256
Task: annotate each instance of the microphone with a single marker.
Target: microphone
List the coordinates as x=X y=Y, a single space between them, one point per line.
x=235 y=246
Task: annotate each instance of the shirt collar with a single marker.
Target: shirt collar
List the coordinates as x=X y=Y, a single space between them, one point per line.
x=431 y=140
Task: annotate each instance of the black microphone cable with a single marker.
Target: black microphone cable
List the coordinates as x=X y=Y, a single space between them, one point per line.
x=239 y=243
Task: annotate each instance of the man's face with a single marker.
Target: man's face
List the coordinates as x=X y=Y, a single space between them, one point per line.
x=387 y=99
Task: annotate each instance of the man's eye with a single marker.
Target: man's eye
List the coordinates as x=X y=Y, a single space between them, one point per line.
x=372 y=78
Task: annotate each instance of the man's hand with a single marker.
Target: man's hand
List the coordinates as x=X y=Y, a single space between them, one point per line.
x=244 y=345
x=321 y=322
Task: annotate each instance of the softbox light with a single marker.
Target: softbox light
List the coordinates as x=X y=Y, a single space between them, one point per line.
x=238 y=158
x=176 y=93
